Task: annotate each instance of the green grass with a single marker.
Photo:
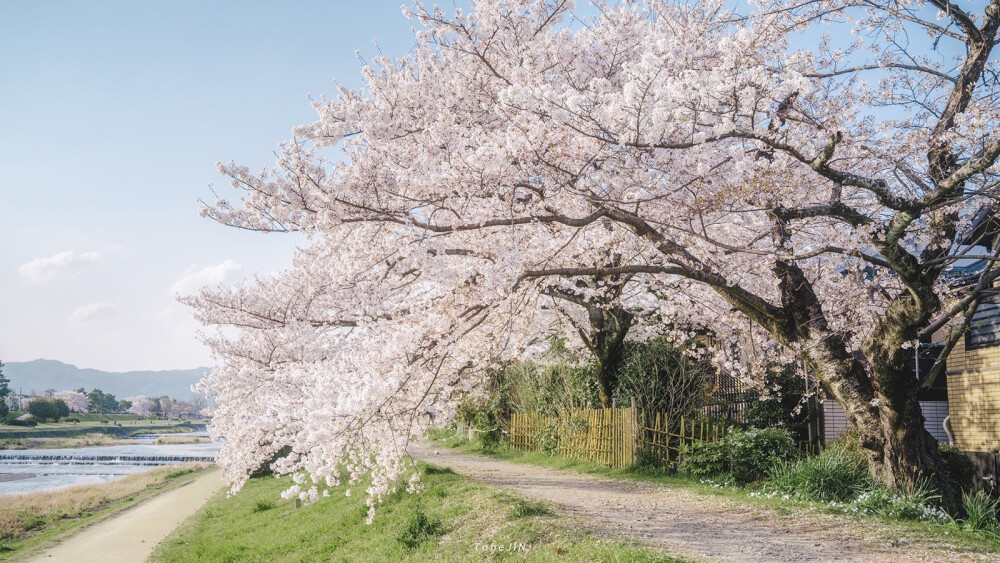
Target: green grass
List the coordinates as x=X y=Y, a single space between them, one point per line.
x=94 y=422
x=453 y=519
x=32 y=522
x=833 y=476
x=919 y=532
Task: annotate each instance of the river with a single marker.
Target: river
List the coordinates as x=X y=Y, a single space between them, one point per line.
x=26 y=471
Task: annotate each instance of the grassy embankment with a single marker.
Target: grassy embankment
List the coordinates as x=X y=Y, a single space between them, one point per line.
x=82 y=441
x=915 y=532
x=453 y=519
x=92 y=430
x=29 y=521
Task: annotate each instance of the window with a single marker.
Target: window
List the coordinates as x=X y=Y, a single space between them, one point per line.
x=985 y=327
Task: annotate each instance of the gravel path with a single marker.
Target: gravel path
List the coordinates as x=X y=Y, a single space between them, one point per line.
x=696 y=526
x=130 y=536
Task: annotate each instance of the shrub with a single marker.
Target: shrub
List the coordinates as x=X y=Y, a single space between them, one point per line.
x=704 y=459
x=748 y=455
x=835 y=475
x=648 y=460
x=957 y=466
x=178 y=473
x=981 y=512
x=753 y=453
x=849 y=444
x=25 y=422
x=419 y=528
x=548 y=439
x=664 y=376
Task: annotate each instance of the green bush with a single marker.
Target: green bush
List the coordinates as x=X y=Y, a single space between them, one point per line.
x=748 y=455
x=981 y=512
x=835 y=475
x=25 y=422
x=704 y=459
x=419 y=528
x=754 y=452
x=663 y=376
x=957 y=466
x=178 y=473
x=561 y=380
x=548 y=439
x=649 y=461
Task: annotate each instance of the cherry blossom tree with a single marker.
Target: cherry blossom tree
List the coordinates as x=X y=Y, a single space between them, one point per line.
x=77 y=402
x=794 y=178
x=141 y=405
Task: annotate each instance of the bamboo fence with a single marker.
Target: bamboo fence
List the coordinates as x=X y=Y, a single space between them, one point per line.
x=609 y=436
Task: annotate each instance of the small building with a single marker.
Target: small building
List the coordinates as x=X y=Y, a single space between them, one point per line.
x=974 y=385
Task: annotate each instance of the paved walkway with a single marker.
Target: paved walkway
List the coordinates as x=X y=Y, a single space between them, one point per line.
x=130 y=536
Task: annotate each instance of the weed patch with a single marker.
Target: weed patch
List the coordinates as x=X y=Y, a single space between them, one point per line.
x=420 y=528
x=524 y=508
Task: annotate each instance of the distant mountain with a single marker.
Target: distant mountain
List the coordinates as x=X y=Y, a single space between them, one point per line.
x=51 y=374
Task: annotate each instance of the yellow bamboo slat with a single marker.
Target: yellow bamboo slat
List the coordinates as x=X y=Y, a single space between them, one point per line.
x=613 y=436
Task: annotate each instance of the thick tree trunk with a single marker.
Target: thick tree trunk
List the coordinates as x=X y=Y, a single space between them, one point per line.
x=888 y=420
x=902 y=454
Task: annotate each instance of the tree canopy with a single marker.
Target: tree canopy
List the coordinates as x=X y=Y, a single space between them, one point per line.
x=44 y=408
x=799 y=179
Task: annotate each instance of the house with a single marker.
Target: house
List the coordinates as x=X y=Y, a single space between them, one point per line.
x=974 y=388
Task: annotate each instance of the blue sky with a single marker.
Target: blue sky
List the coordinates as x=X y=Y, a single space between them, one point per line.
x=112 y=117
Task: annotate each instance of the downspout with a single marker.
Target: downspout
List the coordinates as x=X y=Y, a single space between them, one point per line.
x=946 y=423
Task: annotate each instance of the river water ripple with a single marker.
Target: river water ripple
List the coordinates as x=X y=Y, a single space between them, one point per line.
x=31 y=475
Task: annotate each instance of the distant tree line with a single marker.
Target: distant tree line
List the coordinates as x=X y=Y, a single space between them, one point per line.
x=54 y=405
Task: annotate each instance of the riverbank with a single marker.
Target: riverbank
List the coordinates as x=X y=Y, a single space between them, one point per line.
x=121 y=429
x=90 y=440
x=132 y=534
x=33 y=521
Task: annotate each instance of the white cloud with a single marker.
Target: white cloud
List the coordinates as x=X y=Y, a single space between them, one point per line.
x=94 y=311
x=193 y=280
x=41 y=270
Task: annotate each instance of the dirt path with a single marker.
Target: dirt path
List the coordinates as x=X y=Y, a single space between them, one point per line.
x=696 y=526
x=131 y=535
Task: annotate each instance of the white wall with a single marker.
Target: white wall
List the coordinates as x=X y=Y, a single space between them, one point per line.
x=835 y=421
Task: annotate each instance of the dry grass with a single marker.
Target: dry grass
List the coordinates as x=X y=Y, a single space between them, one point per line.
x=166 y=440
x=23 y=513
